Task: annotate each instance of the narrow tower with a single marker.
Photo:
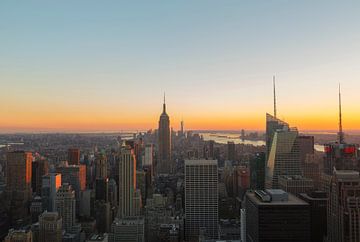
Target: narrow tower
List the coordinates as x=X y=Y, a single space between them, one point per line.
x=274 y=96
x=340 y=134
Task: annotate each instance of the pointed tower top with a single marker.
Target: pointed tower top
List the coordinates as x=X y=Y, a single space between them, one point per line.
x=340 y=134
x=164 y=105
x=274 y=96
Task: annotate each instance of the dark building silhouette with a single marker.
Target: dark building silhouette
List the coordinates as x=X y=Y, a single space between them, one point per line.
x=74 y=156
x=231 y=151
x=274 y=215
x=318 y=203
x=164 y=143
x=39 y=169
x=257 y=171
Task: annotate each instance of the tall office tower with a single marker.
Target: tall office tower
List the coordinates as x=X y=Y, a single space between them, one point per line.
x=318 y=203
x=36 y=209
x=50 y=185
x=75 y=175
x=211 y=149
x=272 y=125
x=138 y=151
x=18 y=183
x=101 y=166
x=257 y=171
x=341 y=155
x=231 y=153
x=102 y=216
x=129 y=229
x=66 y=206
x=148 y=160
x=50 y=227
x=284 y=156
x=344 y=207
x=102 y=189
x=311 y=170
x=39 y=168
x=127 y=182
x=19 y=236
x=201 y=198
x=306 y=148
x=164 y=144
x=295 y=184
x=74 y=156
x=274 y=215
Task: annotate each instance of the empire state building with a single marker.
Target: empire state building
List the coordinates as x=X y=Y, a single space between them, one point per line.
x=164 y=146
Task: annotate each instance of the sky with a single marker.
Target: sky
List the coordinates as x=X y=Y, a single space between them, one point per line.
x=104 y=65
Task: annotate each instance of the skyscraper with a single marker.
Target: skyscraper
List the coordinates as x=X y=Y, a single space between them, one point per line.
x=164 y=145
x=50 y=185
x=66 y=206
x=284 y=156
x=50 y=227
x=344 y=207
x=127 y=182
x=18 y=183
x=74 y=156
x=274 y=215
x=201 y=198
x=231 y=152
x=272 y=124
x=318 y=204
x=257 y=171
x=39 y=168
x=101 y=166
x=341 y=155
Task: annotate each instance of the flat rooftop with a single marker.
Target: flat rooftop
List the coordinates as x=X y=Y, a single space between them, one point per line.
x=200 y=162
x=291 y=201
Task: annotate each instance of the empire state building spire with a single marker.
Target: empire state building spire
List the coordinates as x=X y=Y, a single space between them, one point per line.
x=164 y=105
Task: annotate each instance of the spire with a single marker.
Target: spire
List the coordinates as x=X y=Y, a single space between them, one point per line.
x=340 y=134
x=274 y=96
x=164 y=105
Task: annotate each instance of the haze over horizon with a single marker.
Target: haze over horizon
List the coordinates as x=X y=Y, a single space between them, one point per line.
x=89 y=66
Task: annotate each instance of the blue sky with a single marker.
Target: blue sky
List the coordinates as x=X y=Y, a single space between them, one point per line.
x=207 y=55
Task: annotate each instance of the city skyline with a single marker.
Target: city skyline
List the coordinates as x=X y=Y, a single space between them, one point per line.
x=97 y=67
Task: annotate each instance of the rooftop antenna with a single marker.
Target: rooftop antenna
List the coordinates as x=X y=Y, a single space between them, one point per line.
x=340 y=134
x=274 y=96
x=164 y=105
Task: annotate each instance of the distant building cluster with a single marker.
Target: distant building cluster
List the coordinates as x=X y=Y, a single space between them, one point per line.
x=165 y=185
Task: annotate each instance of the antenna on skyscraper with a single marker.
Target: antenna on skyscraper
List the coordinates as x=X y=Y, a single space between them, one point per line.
x=164 y=105
x=274 y=96
x=340 y=134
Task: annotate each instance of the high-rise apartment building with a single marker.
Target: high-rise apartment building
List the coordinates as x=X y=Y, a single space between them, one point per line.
x=66 y=206
x=50 y=227
x=164 y=164
x=74 y=156
x=344 y=207
x=18 y=183
x=201 y=198
x=274 y=215
x=127 y=182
